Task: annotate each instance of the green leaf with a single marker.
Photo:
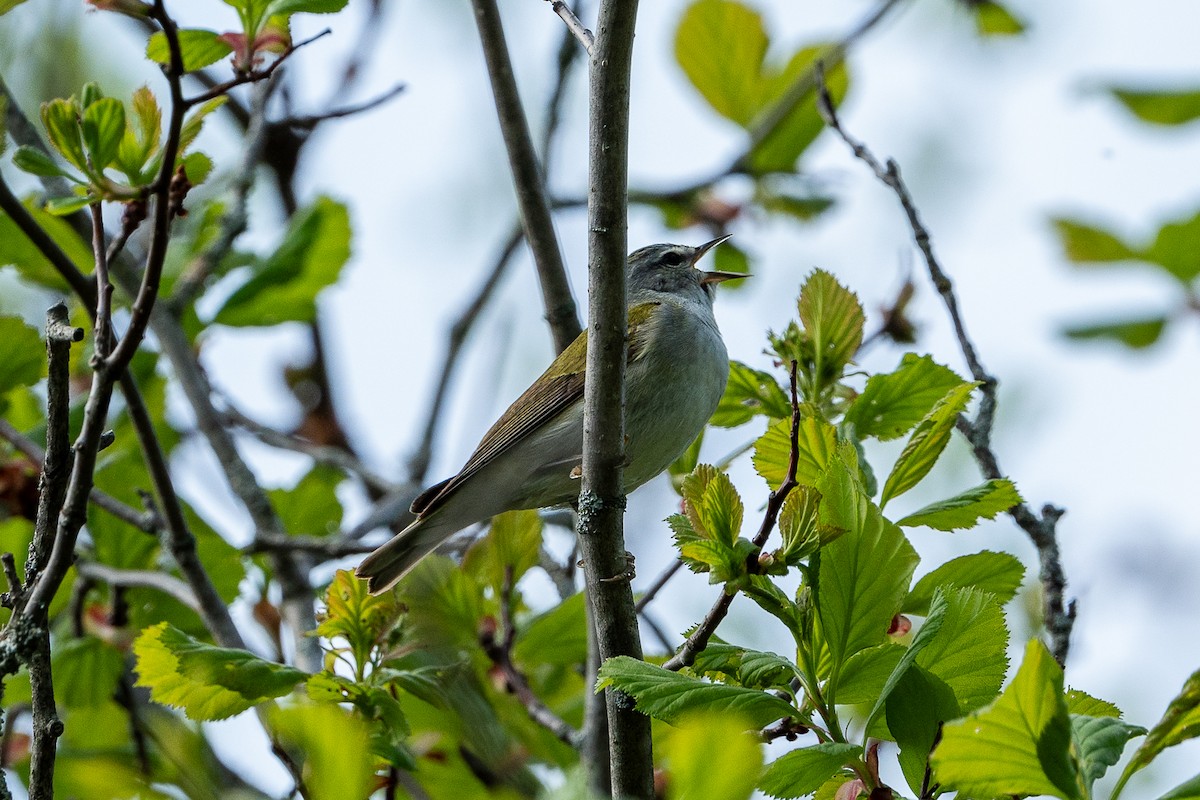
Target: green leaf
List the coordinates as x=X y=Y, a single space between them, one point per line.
x=833 y=323
x=356 y=616
x=892 y=403
x=865 y=673
x=199 y=48
x=803 y=206
x=1180 y=723
x=799 y=525
x=1100 y=741
x=103 y=126
x=334 y=748
x=1188 y=790
x=688 y=460
x=558 y=636
x=720 y=45
x=750 y=392
x=306 y=6
x=194 y=122
x=86 y=672
x=966 y=509
x=1159 y=106
x=513 y=543
x=22 y=354
x=36 y=162
x=916 y=711
x=713 y=757
x=1087 y=244
x=61 y=118
x=140 y=140
x=17 y=250
x=311 y=507
x=1134 y=333
x=993 y=19
x=927 y=633
x=1018 y=746
x=803 y=124
x=206 y=682
x=863 y=577
x=969 y=654
x=707 y=532
x=1176 y=248
x=1083 y=704
x=197 y=167
x=669 y=696
x=9 y=5
x=926 y=442
x=801 y=772
x=999 y=574
x=816 y=442
x=314 y=249
x=65 y=206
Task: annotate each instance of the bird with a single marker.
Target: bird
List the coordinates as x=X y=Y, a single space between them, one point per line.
x=675 y=375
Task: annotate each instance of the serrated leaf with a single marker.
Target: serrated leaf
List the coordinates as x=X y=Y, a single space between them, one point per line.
x=1133 y=333
x=103 y=126
x=142 y=134
x=1100 y=742
x=927 y=633
x=305 y=6
x=1084 y=243
x=926 y=442
x=1018 y=746
x=999 y=574
x=1160 y=106
x=816 y=443
x=993 y=19
x=862 y=578
x=799 y=524
x=1180 y=723
x=833 y=322
x=1083 y=704
x=36 y=162
x=206 y=682
x=333 y=749
x=669 y=696
x=353 y=614
x=194 y=123
x=969 y=654
x=966 y=509
x=314 y=249
x=801 y=772
x=198 y=47
x=892 y=403
x=714 y=757
x=750 y=392
x=512 y=544
x=687 y=461
x=61 y=118
x=22 y=354
x=865 y=672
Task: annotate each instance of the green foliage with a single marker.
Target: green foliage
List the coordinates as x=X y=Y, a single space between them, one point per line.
x=284 y=286
x=311 y=507
x=356 y=622
x=30 y=263
x=998 y=574
x=816 y=442
x=86 y=672
x=707 y=532
x=1159 y=106
x=1180 y=723
x=802 y=772
x=336 y=759
x=1135 y=334
x=993 y=19
x=711 y=756
x=199 y=48
x=510 y=549
x=926 y=442
x=206 y=682
x=892 y=403
x=748 y=393
x=22 y=355
x=966 y=509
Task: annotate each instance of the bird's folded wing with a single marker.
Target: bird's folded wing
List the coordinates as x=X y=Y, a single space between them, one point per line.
x=558 y=387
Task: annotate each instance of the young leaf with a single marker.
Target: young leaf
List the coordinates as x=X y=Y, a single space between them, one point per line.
x=1180 y=723
x=61 y=118
x=688 y=460
x=334 y=747
x=926 y=443
x=513 y=543
x=1100 y=741
x=1083 y=704
x=713 y=756
x=314 y=249
x=140 y=140
x=892 y=403
x=1018 y=746
x=833 y=322
x=306 y=6
x=22 y=354
x=747 y=393
x=195 y=121
x=199 y=48
x=799 y=525
x=36 y=162
x=669 y=696
x=207 y=682
x=1160 y=106
x=999 y=574
x=969 y=654
x=966 y=509
x=993 y=19
x=865 y=672
x=352 y=613
x=916 y=709
x=1084 y=243
x=103 y=126
x=816 y=442
x=862 y=579
x=801 y=772
x=65 y=206
x=1174 y=249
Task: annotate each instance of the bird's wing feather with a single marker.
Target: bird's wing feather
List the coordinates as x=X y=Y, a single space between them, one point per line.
x=551 y=394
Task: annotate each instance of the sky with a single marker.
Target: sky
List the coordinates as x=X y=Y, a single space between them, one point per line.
x=994 y=137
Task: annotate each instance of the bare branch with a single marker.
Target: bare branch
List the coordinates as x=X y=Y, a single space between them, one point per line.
x=251 y=76
x=158 y=581
x=577 y=28
x=311 y=121
x=528 y=179
x=328 y=547
x=1059 y=614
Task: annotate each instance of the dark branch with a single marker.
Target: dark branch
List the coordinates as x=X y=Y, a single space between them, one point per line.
x=252 y=76
x=311 y=121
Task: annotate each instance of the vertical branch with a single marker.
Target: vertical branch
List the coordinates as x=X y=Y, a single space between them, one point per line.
x=601 y=498
x=528 y=179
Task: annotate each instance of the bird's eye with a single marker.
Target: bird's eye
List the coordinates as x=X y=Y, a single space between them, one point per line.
x=673 y=258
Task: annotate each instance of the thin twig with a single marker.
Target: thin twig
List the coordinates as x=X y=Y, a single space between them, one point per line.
x=1059 y=614
x=648 y=596
x=325 y=546
x=310 y=121
x=698 y=640
x=159 y=581
x=251 y=76
x=528 y=179
x=577 y=28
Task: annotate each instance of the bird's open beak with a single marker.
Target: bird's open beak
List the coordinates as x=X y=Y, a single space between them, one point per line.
x=714 y=276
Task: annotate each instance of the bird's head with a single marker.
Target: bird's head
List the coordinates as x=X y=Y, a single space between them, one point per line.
x=672 y=268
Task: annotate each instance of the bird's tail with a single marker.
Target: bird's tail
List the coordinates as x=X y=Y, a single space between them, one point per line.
x=396 y=558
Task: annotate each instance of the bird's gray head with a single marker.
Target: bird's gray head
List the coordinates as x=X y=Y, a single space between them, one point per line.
x=672 y=268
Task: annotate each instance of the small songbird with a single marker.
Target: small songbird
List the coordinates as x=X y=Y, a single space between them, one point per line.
x=531 y=458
